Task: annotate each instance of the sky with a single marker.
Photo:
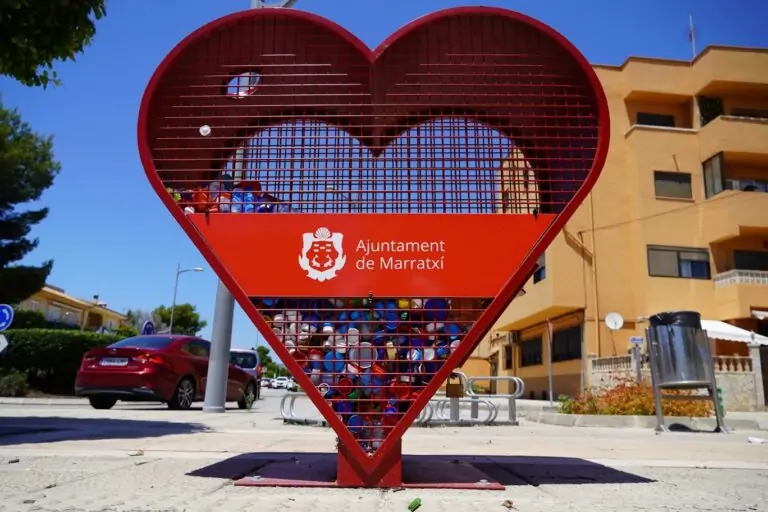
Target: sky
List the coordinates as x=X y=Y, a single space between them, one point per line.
x=109 y=234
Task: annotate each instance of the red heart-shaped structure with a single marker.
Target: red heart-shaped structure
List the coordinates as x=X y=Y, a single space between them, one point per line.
x=411 y=190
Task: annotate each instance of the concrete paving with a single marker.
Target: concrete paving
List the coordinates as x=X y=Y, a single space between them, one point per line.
x=146 y=458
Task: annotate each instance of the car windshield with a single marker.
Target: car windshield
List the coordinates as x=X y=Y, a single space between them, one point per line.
x=243 y=359
x=150 y=342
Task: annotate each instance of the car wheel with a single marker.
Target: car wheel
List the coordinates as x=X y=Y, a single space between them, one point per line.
x=102 y=402
x=183 y=396
x=249 y=396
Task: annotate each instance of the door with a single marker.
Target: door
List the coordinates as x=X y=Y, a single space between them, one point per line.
x=198 y=352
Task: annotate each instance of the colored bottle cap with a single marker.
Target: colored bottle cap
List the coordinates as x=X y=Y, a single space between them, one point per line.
x=403 y=303
x=399 y=389
x=453 y=331
x=366 y=355
x=429 y=353
x=334 y=362
x=324 y=390
x=290 y=345
x=355 y=424
x=340 y=344
x=344 y=386
x=353 y=337
x=414 y=354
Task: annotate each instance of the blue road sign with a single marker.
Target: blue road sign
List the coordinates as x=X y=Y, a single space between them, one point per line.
x=6 y=316
x=148 y=328
x=636 y=340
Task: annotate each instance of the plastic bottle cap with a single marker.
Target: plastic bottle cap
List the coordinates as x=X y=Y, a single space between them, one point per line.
x=205 y=130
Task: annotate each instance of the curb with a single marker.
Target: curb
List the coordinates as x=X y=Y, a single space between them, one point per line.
x=644 y=422
x=43 y=401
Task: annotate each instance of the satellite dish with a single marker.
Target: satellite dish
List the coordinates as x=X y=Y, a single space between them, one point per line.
x=614 y=321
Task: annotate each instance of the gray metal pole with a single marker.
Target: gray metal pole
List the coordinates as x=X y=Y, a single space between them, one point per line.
x=175 y=292
x=550 y=345
x=221 y=343
x=224 y=312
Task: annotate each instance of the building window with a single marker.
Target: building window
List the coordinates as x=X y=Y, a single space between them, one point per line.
x=507 y=357
x=678 y=262
x=53 y=314
x=566 y=344
x=756 y=113
x=714 y=175
x=531 y=352
x=649 y=119
x=710 y=108
x=672 y=184
x=750 y=260
x=33 y=305
x=541 y=269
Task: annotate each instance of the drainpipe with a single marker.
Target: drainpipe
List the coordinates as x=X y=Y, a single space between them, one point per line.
x=596 y=298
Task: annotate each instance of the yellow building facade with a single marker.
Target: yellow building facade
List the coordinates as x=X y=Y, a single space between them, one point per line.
x=677 y=221
x=57 y=306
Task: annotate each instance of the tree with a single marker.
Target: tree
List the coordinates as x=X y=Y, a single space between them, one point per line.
x=186 y=319
x=271 y=367
x=27 y=168
x=38 y=33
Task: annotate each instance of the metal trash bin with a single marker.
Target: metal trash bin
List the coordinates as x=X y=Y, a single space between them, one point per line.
x=680 y=356
x=682 y=350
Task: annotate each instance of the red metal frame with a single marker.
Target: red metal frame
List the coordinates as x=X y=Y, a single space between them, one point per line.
x=356 y=467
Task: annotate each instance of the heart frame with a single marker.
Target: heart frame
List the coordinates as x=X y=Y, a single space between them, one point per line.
x=356 y=466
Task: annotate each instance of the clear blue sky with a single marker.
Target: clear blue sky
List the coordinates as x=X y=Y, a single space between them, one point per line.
x=109 y=234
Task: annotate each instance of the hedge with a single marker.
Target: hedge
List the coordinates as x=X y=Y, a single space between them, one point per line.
x=49 y=357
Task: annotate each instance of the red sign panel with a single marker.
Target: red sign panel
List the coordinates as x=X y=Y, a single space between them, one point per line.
x=338 y=255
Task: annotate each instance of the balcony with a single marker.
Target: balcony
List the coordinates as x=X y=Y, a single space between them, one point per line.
x=719 y=70
x=647 y=79
x=739 y=138
x=734 y=213
x=738 y=292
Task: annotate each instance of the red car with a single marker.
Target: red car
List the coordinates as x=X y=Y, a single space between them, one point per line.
x=161 y=368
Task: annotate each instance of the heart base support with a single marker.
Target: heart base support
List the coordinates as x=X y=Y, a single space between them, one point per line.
x=343 y=471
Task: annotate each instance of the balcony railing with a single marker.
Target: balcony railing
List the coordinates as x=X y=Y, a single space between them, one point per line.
x=739 y=276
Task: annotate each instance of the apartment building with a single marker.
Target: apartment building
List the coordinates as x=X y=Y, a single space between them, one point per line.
x=678 y=220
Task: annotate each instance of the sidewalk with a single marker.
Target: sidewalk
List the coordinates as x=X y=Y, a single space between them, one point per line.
x=143 y=458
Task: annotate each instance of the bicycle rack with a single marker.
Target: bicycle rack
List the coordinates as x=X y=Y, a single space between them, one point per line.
x=439 y=411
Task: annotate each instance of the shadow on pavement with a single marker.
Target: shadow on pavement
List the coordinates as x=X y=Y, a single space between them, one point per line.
x=47 y=429
x=320 y=468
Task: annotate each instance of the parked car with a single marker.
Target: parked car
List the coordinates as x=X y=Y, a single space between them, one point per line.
x=266 y=383
x=249 y=362
x=281 y=382
x=274 y=384
x=291 y=385
x=170 y=369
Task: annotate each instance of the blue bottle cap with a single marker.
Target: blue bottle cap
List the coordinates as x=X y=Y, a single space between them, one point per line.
x=453 y=331
x=333 y=362
x=355 y=424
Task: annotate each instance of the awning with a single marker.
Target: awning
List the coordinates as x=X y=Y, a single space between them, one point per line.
x=760 y=315
x=723 y=331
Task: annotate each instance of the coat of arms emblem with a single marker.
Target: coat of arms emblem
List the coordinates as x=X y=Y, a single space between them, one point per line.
x=322 y=254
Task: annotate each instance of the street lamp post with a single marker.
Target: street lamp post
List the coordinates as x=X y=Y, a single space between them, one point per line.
x=224 y=310
x=179 y=271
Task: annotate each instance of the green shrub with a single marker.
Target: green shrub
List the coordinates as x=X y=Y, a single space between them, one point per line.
x=26 y=319
x=629 y=398
x=49 y=357
x=14 y=384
